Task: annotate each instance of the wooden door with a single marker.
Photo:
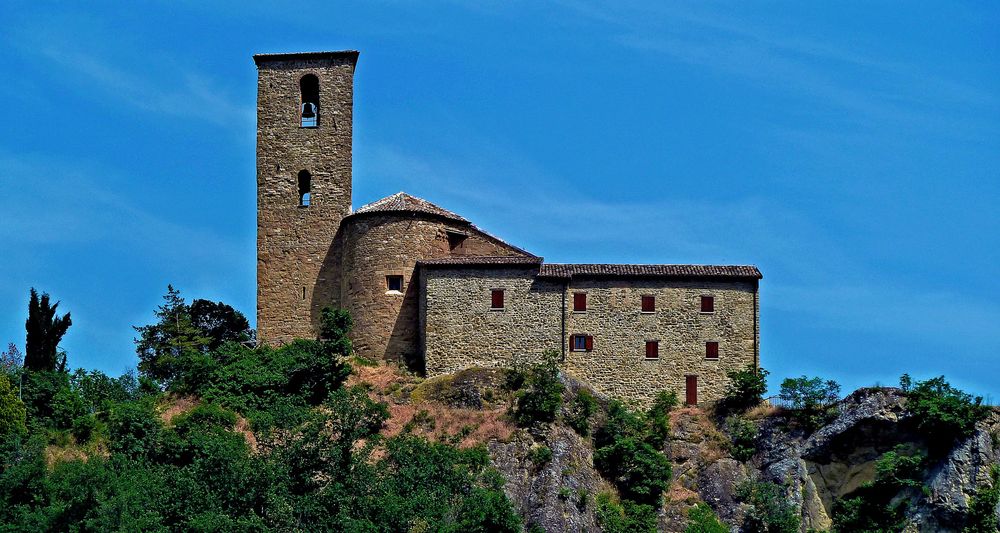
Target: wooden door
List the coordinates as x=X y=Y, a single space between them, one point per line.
x=691 y=390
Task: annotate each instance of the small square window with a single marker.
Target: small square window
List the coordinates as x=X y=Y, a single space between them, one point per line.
x=712 y=350
x=652 y=349
x=581 y=343
x=394 y=283
x=579 y=301
x=496 y=299
x=648 y=304
x=708 y=304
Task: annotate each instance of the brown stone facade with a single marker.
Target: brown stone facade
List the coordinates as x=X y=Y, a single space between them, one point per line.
x=539 y=315
x=419 y=280
x=294 y=242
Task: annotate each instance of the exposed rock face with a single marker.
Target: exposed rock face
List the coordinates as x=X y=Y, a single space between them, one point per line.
x=557 y=495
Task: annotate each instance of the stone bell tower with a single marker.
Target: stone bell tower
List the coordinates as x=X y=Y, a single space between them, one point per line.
x=304 y=133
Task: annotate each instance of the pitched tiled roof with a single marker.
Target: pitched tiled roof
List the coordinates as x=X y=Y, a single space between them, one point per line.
x=699 y=271
x=406 y=203
x=481 y=260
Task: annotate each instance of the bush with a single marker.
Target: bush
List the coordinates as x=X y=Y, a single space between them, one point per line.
x=581 y=409
x=982 y=510
x=540 y=456
x=944 y=413
x=769 y=509
x=746 y=389
x=83 y=428
x=12 y=412
x=658 y=418
x=640 y=472
x=875 y=505
x=540 y=394
x=67 y=406
x=134 y=430
x=811 y=398
x=624 y=517
x=701 y=519
x=743 y=438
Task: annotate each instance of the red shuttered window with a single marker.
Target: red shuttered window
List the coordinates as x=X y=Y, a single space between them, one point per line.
x=708 y=304
x=589 y=343
x=581 y=343
x=496 y=299
x=648 y=304
x=579 y=301
x=652 y=349
x=711 y=350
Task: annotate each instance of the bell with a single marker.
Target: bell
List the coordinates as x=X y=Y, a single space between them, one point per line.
x=308 y=110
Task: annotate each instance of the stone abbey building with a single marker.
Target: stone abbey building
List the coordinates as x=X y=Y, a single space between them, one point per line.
x=429 y=289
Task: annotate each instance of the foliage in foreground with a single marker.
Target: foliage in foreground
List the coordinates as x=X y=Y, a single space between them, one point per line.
x=982 y=510
x=877 y=505
x=746 y=389
x=316 y=463
x=625 y=516
x=628 y=450
x=944 y=413
x=538 y=395
x=769 y=509
x=701 y=519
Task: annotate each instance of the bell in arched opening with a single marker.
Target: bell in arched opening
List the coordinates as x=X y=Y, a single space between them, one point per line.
x=309 y=111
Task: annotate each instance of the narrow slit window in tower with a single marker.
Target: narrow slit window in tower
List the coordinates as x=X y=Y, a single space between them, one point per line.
x=309 y=108
x=305 y=188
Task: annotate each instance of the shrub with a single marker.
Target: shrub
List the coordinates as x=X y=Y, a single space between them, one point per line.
x=540 y=455
x=746 y=389
x=769 y=510
x=67 y=406
x=982 y=510
x=540 y=395
x=943 y=412
x=83 y=428
x=134 y=430
x=743 y=438
x=875 y=505
x=624 y=517
x=658 y=418
x=581 y=409
x=12 y=412
x=905 y=383
x=701 y=519
x=810 y=398
x=640 y=472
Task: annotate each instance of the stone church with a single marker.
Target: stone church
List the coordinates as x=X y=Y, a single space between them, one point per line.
x=429 y=289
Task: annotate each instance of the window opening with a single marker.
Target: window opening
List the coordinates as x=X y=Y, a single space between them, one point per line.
x=579 y=301
x=652 y=349
x=708 y=304
x=496 y=299
x=394 y=283
x=309 y=109
x=648 y=304
x=305 y=188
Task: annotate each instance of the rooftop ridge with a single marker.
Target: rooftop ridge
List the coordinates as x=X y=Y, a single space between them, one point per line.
x=286 y=56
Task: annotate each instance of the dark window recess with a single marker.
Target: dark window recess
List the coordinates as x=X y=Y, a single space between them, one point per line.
x=708 y=304
x=496 y=299
x=394 y=283
x=581 y=343
x=648 y=304
x=652 y=349
x=455 y=240
x=579 y=301
x=711 y=350
x=309 y=110
x=305 y=188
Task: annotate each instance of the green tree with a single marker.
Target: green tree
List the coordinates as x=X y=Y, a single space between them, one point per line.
x=44 y=332
x=982 y=509
x=701 y=519
x=811 y=399
x=746 y=389
x=163 y=347
x=219 y=323
x=876 y=505
x=769 y=510
x=944 y=413
x=540 y=394
x=12 y=412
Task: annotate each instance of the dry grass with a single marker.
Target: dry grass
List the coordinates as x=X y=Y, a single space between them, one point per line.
x=380 y=377
x=679 y=493
x=173 y=406
x=55 y=454
x=762 y=411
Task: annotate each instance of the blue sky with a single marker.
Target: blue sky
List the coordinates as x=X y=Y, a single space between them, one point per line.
x=850 y=150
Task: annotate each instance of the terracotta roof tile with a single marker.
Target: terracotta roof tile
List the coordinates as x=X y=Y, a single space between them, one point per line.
x=700 y=271
x=406 y=203
x=482 y=260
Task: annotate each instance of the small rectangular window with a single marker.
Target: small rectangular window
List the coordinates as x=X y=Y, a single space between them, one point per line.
x=648 y=304
x=652 y=349
x=496 y=299
x=708 y=304
x=394 y=283
x=712 y=350
x=579 y=301
x=581 y=343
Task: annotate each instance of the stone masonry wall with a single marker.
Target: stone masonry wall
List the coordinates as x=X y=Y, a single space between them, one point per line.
x=460 y=329
x=294 y=243
x=377 y=245
x=617 y=366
